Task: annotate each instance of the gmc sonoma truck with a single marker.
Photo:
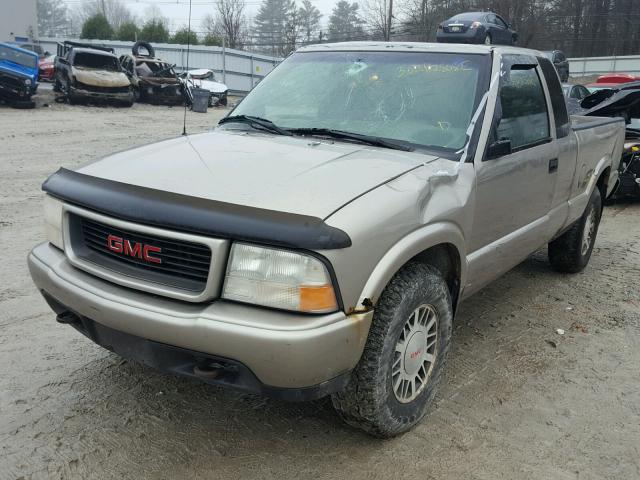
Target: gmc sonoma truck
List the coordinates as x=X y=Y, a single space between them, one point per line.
x=319 y=240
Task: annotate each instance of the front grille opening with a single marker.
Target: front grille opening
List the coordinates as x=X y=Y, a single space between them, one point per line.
x=179 y=264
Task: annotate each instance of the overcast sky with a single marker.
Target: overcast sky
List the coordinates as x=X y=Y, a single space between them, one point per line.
x=177 y=11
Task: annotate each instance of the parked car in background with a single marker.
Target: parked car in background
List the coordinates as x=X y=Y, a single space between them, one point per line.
x=559 y=61
x=153 y=79
x=320 y=239
x=46 y=68
x=576 y=92
x=88 y=72
x=477 y=27
x=32 y=47
x=18 y=75
x=205 y=79
x=611 y=80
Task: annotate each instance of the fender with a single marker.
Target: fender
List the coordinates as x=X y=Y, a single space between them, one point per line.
x=587 y=181
x=408 y=247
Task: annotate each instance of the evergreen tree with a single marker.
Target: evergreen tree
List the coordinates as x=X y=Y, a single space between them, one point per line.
x=345 y=23
x=97 y=27
x=309 y=17
x=128 y=32
x=154 y=30
x=184 y=36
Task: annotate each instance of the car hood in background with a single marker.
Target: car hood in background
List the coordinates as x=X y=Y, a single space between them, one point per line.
x=213 y=87
x=607 y=103
x=287 y=174
x=100 y=78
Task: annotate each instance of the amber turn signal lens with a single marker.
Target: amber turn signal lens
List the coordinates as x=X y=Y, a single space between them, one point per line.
x=317 y=298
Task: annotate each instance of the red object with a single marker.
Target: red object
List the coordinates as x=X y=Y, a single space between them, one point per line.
x=611 y=80
x=133 y=249
x=46 y=68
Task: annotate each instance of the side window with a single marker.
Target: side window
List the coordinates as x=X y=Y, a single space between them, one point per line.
x=525 y=120
x=557 y=98
x=500 y=22
x=491 y=19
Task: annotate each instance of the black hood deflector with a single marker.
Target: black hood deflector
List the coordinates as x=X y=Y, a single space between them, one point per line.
x=194 y=215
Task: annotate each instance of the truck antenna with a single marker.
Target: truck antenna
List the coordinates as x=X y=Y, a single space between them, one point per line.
x=186 y=83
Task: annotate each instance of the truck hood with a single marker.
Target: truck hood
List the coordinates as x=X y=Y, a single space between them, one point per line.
x=100 y=78
x=287 y=174
x=19 y=71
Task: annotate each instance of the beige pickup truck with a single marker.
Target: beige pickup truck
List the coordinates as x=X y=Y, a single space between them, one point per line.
x=319 y=240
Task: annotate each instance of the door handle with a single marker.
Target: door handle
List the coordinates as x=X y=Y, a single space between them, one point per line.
x=553 y=165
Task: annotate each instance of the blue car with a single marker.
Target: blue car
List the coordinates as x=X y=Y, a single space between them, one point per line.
x=18 y=75
x=477 y=27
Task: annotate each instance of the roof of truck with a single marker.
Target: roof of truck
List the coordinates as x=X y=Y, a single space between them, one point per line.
x=416 y=46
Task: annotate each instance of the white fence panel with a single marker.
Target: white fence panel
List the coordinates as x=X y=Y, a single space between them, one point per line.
x=582 y=67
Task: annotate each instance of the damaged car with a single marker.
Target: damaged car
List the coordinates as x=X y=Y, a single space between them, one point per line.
x=206 y=79
x=18 y=75
x=623 y=101
x=153 y=80
x=85 y=72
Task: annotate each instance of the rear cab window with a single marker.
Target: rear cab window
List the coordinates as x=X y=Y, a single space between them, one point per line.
x=558 y=102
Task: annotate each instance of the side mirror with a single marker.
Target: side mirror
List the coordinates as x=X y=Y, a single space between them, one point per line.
x=499 y=149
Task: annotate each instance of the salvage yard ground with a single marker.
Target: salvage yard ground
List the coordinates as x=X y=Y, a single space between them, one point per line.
x=520 y=401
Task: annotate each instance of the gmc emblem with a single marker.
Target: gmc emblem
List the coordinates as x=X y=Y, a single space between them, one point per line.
x=133 y=249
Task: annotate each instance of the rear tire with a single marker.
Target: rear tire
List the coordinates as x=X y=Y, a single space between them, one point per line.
x=570 y=253
x=487 y=39
x=395 y=381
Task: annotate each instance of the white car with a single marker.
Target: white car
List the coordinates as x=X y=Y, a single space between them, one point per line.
x=205 y=78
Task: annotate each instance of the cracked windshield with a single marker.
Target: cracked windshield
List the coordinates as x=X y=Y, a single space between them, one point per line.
x=422 y=99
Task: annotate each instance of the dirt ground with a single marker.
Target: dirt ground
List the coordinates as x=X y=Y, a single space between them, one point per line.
x=520 y=401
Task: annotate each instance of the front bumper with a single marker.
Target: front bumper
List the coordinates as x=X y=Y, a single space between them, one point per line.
x=104 y=96
x=284 y=351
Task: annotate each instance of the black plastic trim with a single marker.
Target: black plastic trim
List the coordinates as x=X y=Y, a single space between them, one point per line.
x=194 y=215
x=185 y=362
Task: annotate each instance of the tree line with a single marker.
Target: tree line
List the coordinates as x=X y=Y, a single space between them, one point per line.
x=578 y=27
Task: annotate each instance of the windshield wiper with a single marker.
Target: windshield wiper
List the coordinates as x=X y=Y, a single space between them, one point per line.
x=368 y=139
x=255 y=121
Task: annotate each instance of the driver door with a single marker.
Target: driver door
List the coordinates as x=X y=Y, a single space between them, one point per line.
x=515 y=181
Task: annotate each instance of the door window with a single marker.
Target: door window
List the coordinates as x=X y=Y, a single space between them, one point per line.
x=524 y=120
x=500 y=22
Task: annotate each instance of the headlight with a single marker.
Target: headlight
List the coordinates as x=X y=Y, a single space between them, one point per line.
x=279 y=279
x=53 y=221
x=27 y=81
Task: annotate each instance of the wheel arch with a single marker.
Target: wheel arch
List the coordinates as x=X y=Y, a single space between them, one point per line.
x=439 y=245
x=603 y=182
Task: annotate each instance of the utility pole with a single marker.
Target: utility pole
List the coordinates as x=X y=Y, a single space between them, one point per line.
x=387 y=34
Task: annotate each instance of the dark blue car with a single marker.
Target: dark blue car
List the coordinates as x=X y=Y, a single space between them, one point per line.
x=477 y=27
x=18 y=75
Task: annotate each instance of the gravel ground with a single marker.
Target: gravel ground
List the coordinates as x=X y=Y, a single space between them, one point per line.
x=519 y=401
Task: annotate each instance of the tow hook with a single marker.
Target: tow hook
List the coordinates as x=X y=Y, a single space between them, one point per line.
x=67 y=318
x=212 y=370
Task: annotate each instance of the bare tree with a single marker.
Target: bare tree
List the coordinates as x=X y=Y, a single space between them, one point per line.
x=231 y=20
x=53 y=18
x=376 y=16
x=116 y=12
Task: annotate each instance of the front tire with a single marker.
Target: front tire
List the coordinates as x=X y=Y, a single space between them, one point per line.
x=405 y=354
x=570 y=253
